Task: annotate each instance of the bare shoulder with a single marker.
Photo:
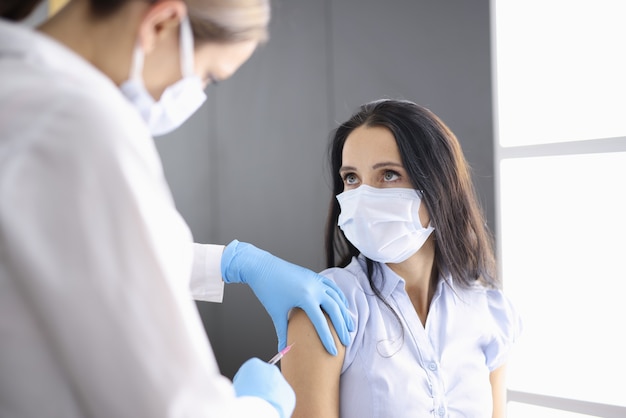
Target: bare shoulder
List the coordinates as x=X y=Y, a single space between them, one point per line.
x=312 y=372
x=307 y=345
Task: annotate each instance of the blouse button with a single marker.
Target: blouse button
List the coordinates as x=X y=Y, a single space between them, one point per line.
x=432 y=366
x=441 y=411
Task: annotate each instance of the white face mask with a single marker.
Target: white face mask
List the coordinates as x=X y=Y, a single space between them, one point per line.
x=179 y=101
x=383 y=224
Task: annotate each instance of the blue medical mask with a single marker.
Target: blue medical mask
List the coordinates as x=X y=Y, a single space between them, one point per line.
x=179 y=101
x=383 y=224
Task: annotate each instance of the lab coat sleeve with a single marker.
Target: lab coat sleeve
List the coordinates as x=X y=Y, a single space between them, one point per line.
x=206 y=276
x=95 y=247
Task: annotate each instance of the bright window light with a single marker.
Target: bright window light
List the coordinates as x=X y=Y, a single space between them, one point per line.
x=563 y=248
x=559 y=79
x=561 y=70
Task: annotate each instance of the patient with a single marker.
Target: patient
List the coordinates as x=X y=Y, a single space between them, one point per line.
x=407 y=243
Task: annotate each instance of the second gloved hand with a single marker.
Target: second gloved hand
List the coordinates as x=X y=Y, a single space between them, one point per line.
x=281 y=286
x=262 y=380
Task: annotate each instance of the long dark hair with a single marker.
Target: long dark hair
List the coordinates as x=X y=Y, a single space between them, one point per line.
x=17 y=9
x=434 y=161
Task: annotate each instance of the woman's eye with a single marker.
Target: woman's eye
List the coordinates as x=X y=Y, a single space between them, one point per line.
x=390 y=176
x=350 y=179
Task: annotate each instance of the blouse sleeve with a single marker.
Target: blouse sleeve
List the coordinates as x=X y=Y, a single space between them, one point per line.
x=358 y=307
x=507 y=326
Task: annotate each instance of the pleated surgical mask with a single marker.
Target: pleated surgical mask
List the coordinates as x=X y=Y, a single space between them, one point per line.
x=179 y=101
x=383 y=224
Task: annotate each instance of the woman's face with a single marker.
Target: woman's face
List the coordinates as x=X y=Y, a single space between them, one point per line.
x=212 y=62
x=370 y=156
x=217 y=61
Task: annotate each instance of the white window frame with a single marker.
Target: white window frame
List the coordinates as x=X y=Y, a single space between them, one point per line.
x=588 y=146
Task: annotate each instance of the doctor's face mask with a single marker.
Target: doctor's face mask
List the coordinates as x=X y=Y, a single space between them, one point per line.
x=179 y=101
x=383 y=223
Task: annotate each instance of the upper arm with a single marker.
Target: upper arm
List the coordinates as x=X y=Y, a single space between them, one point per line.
x=311 y=371
x=497 y=378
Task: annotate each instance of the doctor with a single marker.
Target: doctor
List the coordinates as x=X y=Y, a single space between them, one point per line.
x=96 y=264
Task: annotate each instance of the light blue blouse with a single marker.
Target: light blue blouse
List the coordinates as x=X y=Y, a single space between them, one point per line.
x=408 y=370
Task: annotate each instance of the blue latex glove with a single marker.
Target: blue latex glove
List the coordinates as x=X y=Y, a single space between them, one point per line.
x=281 y=286
x=265 y=381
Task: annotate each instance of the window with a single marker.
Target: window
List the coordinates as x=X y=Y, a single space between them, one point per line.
x=560 y=115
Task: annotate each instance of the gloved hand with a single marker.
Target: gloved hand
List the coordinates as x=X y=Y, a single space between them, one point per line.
x=281 y=286
x=263 y=380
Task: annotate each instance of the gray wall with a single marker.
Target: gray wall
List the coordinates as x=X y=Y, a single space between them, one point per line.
x=250 y=165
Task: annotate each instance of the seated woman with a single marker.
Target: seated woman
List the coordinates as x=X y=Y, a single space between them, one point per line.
x=408 y=245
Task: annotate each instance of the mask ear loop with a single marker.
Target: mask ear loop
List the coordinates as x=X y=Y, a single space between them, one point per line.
x=136 y=66
x=186 y=54
x=186 y=48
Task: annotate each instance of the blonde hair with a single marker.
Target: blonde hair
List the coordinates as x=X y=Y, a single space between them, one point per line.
x=229 y=20
x=222 y=21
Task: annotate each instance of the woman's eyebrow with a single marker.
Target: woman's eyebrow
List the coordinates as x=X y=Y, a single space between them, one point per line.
x=387 y=164
x=375 y=166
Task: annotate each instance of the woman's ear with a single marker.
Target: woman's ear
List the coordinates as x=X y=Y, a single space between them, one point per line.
x=160 y=22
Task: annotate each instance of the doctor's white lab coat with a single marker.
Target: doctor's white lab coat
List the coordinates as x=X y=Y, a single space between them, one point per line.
x=96 y=264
